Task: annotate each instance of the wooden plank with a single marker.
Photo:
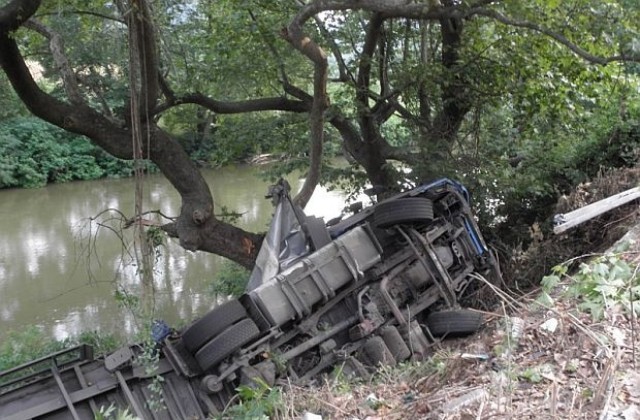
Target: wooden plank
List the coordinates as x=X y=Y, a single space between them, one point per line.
x=581 y=215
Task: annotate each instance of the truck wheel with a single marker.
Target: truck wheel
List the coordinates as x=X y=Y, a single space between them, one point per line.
x=395 y=343
x=226 y=343
x=413 y=210
x=377 y=352
x=454 y=323
x=212 y=323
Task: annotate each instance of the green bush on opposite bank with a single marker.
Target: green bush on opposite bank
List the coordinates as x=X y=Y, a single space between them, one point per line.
x=34 y=153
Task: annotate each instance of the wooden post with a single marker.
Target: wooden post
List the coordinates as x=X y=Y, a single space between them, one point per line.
x=581 y=215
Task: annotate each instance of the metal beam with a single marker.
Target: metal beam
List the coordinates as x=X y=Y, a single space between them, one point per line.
x=65 y=393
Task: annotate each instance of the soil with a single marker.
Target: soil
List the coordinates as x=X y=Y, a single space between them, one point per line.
x=529 y=361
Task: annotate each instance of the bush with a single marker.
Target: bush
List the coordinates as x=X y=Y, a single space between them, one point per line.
x=34 y=153
x=231 y=280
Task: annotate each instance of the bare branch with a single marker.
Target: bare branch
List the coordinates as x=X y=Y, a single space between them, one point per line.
x=99 y=94
x=482 y=3
x=56 y=45
x=166 y=89
x=82 y=12
x=580 y=52
x=281 y=67
x=345 y=74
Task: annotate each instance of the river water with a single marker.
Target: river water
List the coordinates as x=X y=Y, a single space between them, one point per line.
x=56 y=275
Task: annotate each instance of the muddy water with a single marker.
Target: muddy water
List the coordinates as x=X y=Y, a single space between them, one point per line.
x=55 y=272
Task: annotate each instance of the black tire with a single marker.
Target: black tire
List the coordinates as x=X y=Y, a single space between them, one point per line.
x=377 y=352
x=211 y=324
x=395 y=343
x=228 y=341
x=454 y=323
x=413 y=210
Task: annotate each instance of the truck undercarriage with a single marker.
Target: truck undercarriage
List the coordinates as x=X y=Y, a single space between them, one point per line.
x=374 y=288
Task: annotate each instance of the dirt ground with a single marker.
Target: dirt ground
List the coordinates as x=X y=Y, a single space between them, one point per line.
x=533 y=359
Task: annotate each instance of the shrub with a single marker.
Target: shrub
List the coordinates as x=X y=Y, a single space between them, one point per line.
x=231 y=280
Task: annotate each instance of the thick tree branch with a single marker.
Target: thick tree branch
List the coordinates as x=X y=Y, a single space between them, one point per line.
x=235 y=107
x=295 y=36
x=388 y=8
x=364 y=68
x=14 y=14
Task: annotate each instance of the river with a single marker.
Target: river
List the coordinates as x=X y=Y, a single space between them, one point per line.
x=49 y=279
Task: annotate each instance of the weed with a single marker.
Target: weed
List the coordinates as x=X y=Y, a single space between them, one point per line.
x=532 y=375
x=257 y=402
x=606 y=282
x=341 y=382
x=110 y=413
x=149 y=359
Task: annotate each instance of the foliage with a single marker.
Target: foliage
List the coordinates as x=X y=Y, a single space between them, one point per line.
x=520 y=180
x=34 y=153
x=10 y=106
x=231 y=280
x=111 y=413
x=607 y=283
x=258 y=401
x=149 y=359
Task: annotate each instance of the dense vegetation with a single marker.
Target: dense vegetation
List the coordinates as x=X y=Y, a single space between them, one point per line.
x=34 y=153
x=520 y=101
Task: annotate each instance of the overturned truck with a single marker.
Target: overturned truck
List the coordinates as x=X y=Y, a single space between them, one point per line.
x=373 y=288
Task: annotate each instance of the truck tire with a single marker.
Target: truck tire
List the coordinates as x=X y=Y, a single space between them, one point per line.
x=228 y=341
x=212 y=323
x=377 y=352
x=395 y=343
x=454 y=323
x=413 y=210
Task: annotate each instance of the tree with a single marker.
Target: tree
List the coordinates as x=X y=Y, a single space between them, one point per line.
x=425 y=70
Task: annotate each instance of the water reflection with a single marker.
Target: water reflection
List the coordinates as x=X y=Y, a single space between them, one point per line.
x=48 y=278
